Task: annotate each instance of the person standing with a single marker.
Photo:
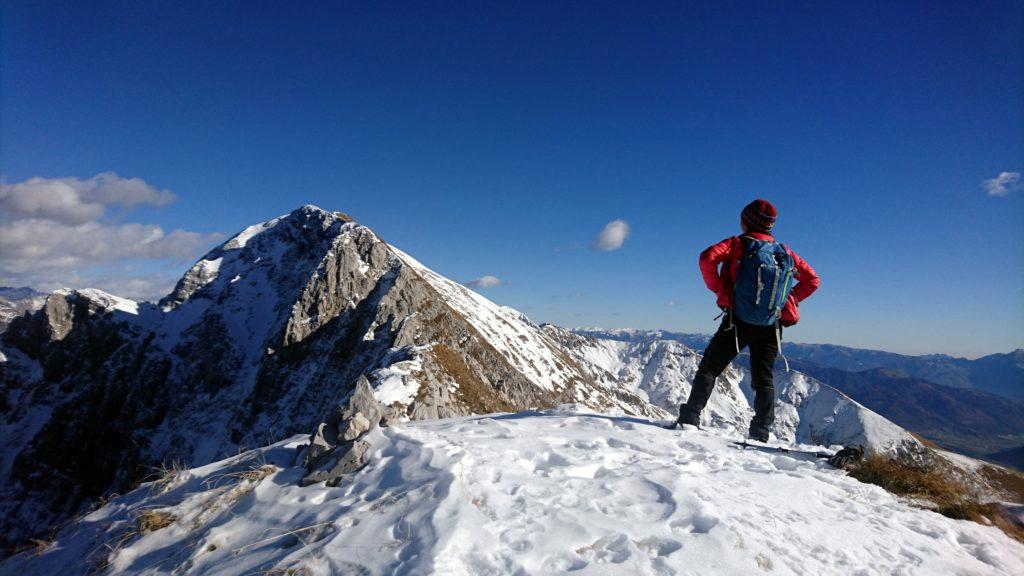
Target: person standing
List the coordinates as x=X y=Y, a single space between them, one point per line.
x=759 y=284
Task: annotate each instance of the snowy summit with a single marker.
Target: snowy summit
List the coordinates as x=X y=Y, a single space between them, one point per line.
x=553 y=492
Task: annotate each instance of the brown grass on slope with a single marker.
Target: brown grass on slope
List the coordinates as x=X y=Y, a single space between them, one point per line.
x=951 y=499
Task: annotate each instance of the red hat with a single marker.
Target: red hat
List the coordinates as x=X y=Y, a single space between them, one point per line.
x=759 y=216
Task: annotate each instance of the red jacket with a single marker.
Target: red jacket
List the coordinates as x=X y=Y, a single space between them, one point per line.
x=728 y=253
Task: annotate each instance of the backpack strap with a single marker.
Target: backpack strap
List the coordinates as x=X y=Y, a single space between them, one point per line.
x=738 y=248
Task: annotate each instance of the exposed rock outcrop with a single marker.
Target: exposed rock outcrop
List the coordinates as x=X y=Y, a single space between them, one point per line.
x=338 y=447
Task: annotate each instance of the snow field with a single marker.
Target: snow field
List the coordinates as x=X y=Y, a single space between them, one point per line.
x=533 y=493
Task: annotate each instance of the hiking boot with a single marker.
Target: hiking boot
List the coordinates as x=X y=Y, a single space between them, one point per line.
x=758 y=435
x=687 y=417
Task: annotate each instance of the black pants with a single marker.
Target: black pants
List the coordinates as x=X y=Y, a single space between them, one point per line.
x=764 y=347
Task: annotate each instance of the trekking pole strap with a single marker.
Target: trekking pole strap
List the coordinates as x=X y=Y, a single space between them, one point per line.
x=735 y=331
x=778 y=342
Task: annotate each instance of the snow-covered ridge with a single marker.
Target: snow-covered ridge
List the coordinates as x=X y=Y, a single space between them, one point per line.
x=807 y=411
x=521 y=341
x=530 y=493
x=103 y=299
x=812 y=412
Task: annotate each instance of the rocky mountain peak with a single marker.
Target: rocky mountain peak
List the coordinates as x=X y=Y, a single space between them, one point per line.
x=271 y=333
x=296 y=241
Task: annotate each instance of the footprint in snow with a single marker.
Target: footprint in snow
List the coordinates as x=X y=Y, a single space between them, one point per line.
x=588 y=444
x=563 y=563
x=785 y=463
x=516 y=539
x=656 y=546
x=616 y=443
x=696 y=524
x=761 y=467
x=547 y=461
x=614 y=549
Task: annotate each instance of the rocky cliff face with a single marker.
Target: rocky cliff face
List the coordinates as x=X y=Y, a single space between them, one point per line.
x=266 y=336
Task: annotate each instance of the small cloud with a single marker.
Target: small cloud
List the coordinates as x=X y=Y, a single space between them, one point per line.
x=485 y=282
x=1003 y=184
x=672 y=303
x=612 y=236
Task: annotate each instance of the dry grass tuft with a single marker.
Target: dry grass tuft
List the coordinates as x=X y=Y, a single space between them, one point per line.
x=150 y=520
x=286 y=572
x=1009 y=480
x=1004 y=520
x=252 y=468
x=254 y=474
x=165 y=476
x=908 y=479
x=34 y=547
x=229 y=488
x=951 y=498
x=146 y=521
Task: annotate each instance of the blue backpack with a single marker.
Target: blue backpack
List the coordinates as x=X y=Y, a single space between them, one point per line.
x=763 y=282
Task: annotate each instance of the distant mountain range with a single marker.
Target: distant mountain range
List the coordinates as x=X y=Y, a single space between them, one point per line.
x=1001 y=374
x=16 y=301
x=963 y=419
x=968 y=421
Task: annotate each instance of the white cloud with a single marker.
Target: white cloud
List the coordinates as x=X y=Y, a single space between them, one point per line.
x=76 y=201
x=53 y=233
x=612 y=236
x=1003 y=184
x=39 y=244
x=487 y=281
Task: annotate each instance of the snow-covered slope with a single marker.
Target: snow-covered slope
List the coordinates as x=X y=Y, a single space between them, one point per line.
x=662 y=372
x=530 y=493
x=807 y=411
x=811 y=412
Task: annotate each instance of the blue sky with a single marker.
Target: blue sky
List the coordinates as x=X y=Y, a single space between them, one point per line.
x=500 y=139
